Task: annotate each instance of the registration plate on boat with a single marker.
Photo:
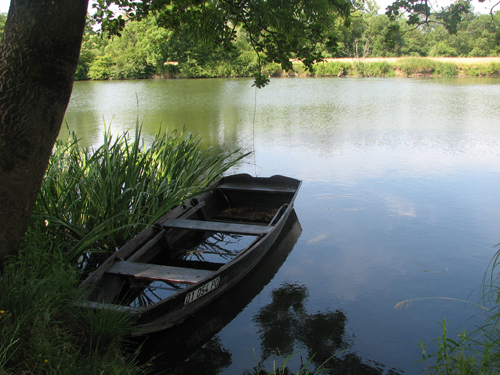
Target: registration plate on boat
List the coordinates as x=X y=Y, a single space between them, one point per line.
x=201 y=291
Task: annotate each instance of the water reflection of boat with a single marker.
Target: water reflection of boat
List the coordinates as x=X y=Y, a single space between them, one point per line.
x=171 y=347
x=194 y=253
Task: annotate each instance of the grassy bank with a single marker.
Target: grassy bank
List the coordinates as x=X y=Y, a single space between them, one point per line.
x=42 y=332
x=404 y=67
x=92 y=201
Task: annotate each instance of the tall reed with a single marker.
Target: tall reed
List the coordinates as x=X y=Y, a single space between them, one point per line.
x=332 y=68
x=93 y=201
x=417 y=65
x=479 y=70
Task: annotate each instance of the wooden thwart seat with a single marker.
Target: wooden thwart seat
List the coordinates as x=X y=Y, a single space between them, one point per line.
x=273 y=189
x=156 y=272
x=215 y=226
x=108 y=306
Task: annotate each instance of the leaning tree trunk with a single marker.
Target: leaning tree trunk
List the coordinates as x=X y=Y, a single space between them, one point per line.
x=38 y=59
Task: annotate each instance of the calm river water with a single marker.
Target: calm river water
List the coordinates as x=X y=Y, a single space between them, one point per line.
x=400 y=200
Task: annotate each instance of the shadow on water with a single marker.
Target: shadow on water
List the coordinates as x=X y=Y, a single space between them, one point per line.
x=285 y=327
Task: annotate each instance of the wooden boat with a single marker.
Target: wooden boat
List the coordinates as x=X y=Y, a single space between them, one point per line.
x=170 y=348
x=194 y=253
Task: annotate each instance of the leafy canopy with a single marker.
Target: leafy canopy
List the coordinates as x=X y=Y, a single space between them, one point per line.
x=277 y=29
x=419 y=12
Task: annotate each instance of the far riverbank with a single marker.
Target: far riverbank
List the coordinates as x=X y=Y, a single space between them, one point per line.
x=456 y=60
x=398 y=67
x=341 y=67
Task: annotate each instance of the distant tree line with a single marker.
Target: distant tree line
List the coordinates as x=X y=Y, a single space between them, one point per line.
x=145 y=50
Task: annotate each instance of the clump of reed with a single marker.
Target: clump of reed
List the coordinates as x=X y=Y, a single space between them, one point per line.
x=417 y=65
x=460 y=354
x=379 y=69
x=407 y=66
x=358 y=68
x=93 y=201
x=481 y=70
x=446 y=69
x=332 y=68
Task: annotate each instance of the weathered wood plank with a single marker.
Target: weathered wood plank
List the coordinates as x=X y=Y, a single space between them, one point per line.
x=107 y=306
x=146 y=247
x=139 y=253
x=259 y=188
x=214 y=226
x=156 y=272
x=192 y=210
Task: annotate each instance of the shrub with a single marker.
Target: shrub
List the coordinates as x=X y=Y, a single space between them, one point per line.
x=100 y=68
x=415 y=65
x=442 y=49
x=446 y=69
x=332 y=68
x=272 y=70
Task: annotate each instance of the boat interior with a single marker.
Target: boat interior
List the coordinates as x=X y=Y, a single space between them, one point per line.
x=195 y=241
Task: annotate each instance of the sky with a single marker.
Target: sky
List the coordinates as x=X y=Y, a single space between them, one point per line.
x=480 y=7
x=438 y=4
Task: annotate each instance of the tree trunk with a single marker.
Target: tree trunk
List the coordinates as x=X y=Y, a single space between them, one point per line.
x=38 y=59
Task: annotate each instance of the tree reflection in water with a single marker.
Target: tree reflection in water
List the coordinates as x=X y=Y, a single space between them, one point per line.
x=285 y=328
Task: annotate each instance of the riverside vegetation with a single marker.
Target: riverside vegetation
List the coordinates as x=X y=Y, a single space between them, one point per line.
x=91 y=202
x=147 y=50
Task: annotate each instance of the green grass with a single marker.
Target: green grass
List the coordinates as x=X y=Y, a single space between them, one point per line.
x=406 y=66
x=461 y=354
x=479 y=70
x=42 y=332
x=446 y=69
x=379 y=69
x=417 y=65
x=332 y=68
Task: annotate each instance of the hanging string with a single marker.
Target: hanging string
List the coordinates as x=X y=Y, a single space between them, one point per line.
x=253 y=132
